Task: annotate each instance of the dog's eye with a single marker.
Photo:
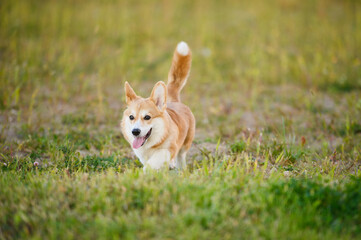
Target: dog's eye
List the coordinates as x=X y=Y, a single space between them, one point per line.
x=131 y=117
x=147 y=117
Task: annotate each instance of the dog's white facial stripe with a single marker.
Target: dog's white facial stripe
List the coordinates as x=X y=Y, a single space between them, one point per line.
x=138 y=124
x=143 y=114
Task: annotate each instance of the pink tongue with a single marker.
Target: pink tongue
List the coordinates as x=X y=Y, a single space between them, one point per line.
x=138 y=141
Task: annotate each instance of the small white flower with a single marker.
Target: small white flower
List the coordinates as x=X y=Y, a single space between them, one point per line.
x=5 y=164
x=286 y=173
x=36 y=164
x=260 y=138
x=273 y=170
x=206 y=52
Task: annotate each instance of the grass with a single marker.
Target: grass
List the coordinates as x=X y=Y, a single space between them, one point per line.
x=275 y=87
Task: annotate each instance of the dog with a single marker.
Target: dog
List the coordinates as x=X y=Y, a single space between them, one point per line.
x=160 y=129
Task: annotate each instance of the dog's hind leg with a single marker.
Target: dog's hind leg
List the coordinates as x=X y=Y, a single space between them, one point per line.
x=181 y=159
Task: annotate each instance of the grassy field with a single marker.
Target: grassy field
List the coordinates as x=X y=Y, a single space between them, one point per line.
x=275 y=88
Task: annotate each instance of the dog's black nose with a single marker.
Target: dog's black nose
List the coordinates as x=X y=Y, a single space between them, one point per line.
x=136 y=131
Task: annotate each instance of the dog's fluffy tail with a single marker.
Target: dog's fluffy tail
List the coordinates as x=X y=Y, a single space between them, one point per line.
x=179 y=71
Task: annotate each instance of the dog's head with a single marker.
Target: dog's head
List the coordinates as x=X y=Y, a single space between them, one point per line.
x=144 y=121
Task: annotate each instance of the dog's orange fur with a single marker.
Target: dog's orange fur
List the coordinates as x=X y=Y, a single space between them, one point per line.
x=178 y=75
x=172 y=122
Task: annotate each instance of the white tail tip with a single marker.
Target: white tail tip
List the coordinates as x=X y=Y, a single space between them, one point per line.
x=183 y=49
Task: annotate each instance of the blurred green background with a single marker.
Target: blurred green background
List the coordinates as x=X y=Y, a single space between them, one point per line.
x=275 y=88
x=83 y=51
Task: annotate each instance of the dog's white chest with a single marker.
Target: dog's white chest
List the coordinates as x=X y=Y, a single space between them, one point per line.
x=153 y=158
x=142 y=154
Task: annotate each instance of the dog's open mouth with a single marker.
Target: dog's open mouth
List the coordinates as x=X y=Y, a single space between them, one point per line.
x=139 y=141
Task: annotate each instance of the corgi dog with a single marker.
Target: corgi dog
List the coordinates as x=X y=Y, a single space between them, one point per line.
x=160 y=128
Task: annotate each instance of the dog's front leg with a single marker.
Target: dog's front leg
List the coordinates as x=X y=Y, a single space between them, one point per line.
x=158 y=160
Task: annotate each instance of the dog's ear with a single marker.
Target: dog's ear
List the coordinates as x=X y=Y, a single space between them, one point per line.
x=129 y=93
x=159 y=95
